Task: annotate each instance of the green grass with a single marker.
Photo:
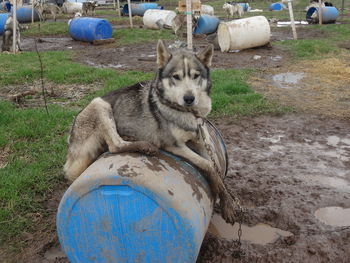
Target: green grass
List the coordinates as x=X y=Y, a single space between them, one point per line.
x=138 y=35
x=232 y=96
x=47 y=29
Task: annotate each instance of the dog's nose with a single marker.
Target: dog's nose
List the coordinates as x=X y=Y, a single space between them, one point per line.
x=189 y=99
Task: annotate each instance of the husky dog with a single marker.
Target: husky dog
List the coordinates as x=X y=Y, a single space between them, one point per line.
x=89 y=7
x=47 y=8
x=7 y=38
x=180 y=21
x=232 y=9
x=162 y=114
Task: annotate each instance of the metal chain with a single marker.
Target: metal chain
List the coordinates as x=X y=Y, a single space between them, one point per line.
x=239 y=253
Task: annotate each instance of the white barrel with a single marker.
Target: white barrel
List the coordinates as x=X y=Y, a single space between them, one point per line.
x=244 y=33
x=152 y=16
x=71 y=8
x=207 y=10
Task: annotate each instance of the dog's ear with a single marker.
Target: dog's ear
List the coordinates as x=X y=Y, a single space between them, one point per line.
x=163 y=54
x=206 y=55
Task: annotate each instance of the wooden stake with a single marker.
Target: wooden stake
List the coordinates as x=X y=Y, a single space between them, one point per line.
x=119 y=14
x=292 y=23
x=320 y=12
x=130 y=15
x=32 y=11
x=189 y=24
x=14 y=16
x=342 y=9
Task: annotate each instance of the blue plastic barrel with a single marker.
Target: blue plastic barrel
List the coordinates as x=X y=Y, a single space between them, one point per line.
x=88 y=29
x=206 y=24
x=137 y=208
x=329 y=14
x=24 y=15
x=245 y=6
x=3 y=18
x=5 y=6
x=140 y=9
x=277 y=7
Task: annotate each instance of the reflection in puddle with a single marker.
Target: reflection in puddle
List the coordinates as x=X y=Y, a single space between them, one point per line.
x=334 y=216
x=330 y=181
x=258 y=234
x=288 y=80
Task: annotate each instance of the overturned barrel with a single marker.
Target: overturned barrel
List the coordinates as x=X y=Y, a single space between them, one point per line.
x=3 y=18
x=206 y=24
x=137 y=208
x=140 y=9
x=88 y=29
x=244 y=33
x=329 y=14
x=24 y=14
x=277 y=7
x=154 y=18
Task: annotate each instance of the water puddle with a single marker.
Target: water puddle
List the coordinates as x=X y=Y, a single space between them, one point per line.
x=288 y=23
x=288 y=80
x=330 y=181
x=334 y=216
x=259 y=234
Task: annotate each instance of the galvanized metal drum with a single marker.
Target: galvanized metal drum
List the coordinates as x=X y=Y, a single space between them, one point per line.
x=138 y=208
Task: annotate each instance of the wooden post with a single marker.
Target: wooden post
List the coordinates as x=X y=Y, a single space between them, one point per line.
x=130 y=15
x=290 y=7
x=119 y=14
x=32 y=11
x=342 y=9
x=320 y=12
x=189 y=24
x=14 y=16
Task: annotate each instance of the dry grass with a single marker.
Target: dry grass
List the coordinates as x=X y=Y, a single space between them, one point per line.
x=323 y=90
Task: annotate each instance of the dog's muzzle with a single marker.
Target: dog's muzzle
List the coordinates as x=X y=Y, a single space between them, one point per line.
x=189 y=100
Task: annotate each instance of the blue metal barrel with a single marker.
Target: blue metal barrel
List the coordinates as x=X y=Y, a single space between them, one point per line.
x=206 y=24
x=140 y=9
x=89 y=29
x=137 y=208
x=3 y=18
x=245 y=6
x=277 y=7
x=329 y=14
x=24 y=14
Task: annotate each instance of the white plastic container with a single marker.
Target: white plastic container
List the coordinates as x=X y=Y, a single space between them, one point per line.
x=151 y=17
x=244 y=33
x=71 y=8
x=207 y=10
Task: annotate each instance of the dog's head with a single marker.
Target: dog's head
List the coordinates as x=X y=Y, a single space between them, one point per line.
x=184 y=78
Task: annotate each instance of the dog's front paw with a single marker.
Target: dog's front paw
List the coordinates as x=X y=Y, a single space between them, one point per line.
x=227 y=208
x=147 y=148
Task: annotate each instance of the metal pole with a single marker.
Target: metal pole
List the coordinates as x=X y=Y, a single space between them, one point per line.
x=320 y=12
x=14 y=16
x=189 y=23
x=130 y=15
x=119 y=14
x=290 y=7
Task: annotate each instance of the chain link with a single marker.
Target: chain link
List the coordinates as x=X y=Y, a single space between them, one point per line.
x=239 y=252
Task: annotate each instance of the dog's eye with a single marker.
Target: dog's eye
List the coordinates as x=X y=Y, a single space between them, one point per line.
x=196 y=76
x=176 y=76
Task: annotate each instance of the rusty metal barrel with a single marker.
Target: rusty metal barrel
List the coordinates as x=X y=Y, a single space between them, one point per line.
x=138 y=208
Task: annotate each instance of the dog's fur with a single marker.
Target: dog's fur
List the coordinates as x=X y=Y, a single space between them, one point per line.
x=232 y=9
x=162 y=114
x=89 y=7
x=7 y=38
x=180 y=22
x=47 y=8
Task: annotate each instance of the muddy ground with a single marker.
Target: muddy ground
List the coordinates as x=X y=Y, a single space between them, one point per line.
x=282 y=168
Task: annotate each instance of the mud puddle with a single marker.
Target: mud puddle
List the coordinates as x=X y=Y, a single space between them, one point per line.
x=288 y=80
x=334 y=216
x=258 y=234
